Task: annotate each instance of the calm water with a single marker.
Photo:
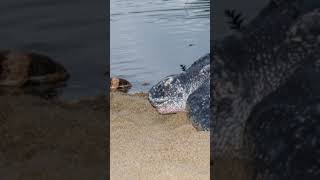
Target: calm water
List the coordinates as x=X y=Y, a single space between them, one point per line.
x=72 y=32
x=149 y=39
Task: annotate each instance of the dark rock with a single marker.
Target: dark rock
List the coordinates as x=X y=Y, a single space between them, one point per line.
x=21 y=68
x=119 y=84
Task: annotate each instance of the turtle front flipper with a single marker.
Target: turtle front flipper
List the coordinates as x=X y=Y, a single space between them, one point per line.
x=198 y=107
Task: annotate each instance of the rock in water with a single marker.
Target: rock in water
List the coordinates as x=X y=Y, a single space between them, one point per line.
x=119 y=84
x=19 y=68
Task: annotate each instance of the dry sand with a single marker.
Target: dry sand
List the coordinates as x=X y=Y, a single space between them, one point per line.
x=146 y=145
x=56 y=140
x=46 y=140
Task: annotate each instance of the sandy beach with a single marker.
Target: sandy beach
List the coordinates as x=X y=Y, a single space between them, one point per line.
x=52 y=140
x=147 y=145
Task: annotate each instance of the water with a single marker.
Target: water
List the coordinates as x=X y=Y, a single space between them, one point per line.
x=149 y=39
x=72 y=32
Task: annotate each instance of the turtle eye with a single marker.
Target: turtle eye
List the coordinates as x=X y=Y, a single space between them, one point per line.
x=168 y=81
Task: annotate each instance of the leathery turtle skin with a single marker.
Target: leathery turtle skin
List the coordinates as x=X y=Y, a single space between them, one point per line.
x=19 y=68
x=198 y=107
x=283 y=131
x=188 y=91
x=251 y=67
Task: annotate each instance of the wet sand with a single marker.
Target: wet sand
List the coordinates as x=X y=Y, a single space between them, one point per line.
x=147 y=145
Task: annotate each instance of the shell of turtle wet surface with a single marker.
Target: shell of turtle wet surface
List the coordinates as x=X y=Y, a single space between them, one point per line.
x=267 y=104
x=198 y=107
x=188 y=91
x=20 y=68
x=283 y=130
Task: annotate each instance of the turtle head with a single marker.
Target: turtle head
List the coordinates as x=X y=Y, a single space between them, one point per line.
x=169 y=95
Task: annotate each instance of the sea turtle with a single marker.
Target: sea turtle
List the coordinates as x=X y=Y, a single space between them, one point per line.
x=251 y=67
x=251 y=71
x=187 y=91
x=19 y=68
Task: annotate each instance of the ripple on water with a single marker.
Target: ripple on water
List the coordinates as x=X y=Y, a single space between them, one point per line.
x=150 y=38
